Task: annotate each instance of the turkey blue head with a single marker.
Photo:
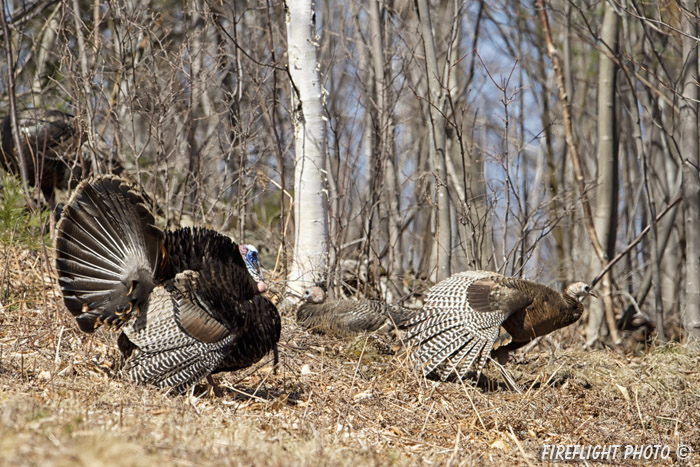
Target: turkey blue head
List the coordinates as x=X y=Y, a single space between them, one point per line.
x=250 y=256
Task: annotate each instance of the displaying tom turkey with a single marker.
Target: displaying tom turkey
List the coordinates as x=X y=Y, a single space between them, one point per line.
x=465 y=314
x=49 y=141
x=187 y=300
x=347 y=317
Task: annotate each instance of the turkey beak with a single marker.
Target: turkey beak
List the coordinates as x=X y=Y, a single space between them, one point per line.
x=593 y=294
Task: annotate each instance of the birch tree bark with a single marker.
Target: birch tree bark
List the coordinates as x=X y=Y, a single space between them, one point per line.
x=310 y=200
x=691 y=165
x=436 y=108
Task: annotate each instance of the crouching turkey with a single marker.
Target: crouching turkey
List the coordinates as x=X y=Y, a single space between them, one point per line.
x=344 y=317
x=187 y=301
x=474 y=314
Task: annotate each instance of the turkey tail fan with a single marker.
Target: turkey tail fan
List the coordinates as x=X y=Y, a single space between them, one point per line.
x=107 y=252
x=199 y=249
x=465 y=314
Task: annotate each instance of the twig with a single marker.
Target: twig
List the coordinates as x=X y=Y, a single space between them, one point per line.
x=251 y=396
x=427 y=417
x=359 y=362
x=509 y=379
x=58 y=345
x=638 y=239
x=471 y=401
x=639 y=411
x=520 y=446
x=456 y=448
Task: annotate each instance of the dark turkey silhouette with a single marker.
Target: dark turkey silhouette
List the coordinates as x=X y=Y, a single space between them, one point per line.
x=464 y=315
x=347 y=317
x=187 y=300
x=50 y=141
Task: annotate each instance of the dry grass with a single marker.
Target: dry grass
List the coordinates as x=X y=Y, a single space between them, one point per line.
x=332 y=402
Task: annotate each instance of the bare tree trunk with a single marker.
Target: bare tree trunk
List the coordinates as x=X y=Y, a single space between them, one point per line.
x=310 y=203
x=46 y=46
x=13 y=106
x=436 y=108
x=569 y=132
x=567 y=234
x=605 y=217
x=553 y=169
x=361 y=226
x=379 y=151
x=691 y=165
x=390 y=196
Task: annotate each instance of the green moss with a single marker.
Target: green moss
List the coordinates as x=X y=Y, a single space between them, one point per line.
x=73 y=425
x=37 y=414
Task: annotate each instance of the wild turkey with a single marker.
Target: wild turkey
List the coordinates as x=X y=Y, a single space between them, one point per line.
x=464 y=314
x=346 y=317
x=50 y=141
x=187 y=300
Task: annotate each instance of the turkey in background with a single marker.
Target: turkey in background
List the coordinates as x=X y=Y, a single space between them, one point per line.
x=342 y=318
x=49 y=142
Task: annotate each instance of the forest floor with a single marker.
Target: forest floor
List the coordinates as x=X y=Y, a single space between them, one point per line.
x=331 y=402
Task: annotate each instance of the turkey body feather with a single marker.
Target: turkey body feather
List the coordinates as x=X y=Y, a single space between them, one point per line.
x=347 y=317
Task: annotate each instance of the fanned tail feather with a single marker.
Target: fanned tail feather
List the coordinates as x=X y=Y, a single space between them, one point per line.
x=107 y=251
x=462 y=361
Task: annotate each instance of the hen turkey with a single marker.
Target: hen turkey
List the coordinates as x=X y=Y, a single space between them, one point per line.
x=346 y=317
x=49 y=142
x=465 y=314
x=186 y=300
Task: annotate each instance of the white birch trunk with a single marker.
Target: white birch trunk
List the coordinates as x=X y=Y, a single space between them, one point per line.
x=310 y=203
